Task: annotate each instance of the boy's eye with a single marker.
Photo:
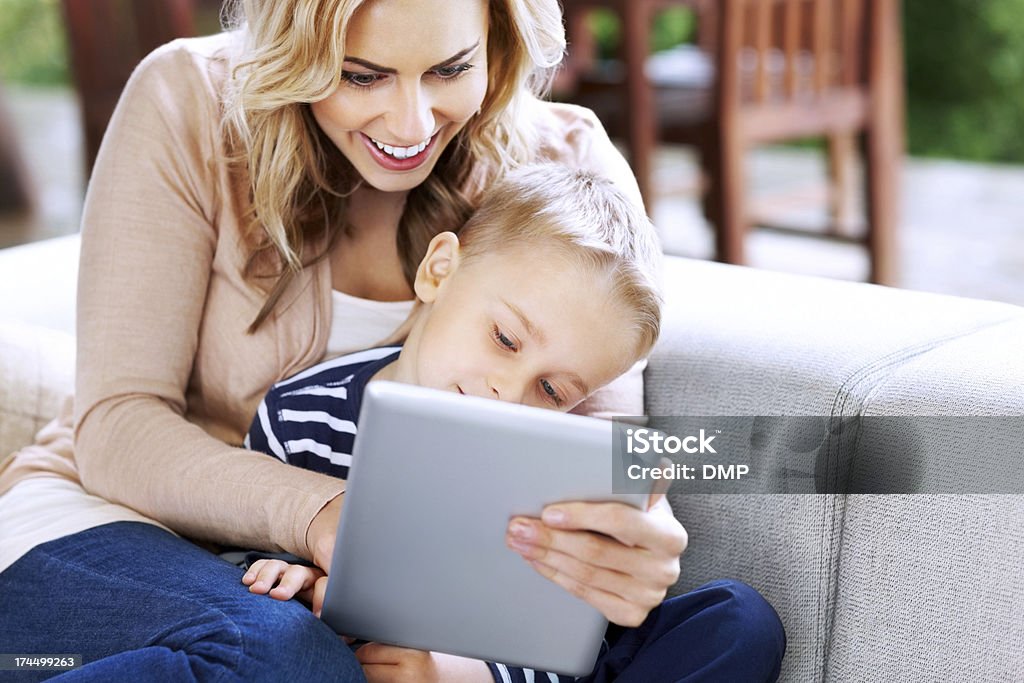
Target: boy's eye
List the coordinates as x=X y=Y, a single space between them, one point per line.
x=501 y=339
x=551 y=392
x=361 y=80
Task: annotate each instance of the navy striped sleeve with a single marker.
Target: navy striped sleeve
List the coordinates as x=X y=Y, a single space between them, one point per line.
x=511 y=674
x=309 y=420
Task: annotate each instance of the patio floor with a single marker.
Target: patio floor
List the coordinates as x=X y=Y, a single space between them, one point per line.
x=962 y=225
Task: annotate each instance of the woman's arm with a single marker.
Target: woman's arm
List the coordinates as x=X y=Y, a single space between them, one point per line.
x=149 y=241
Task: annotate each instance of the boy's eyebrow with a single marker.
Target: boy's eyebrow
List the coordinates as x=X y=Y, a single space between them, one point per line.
x=573 y=378
x=530 y=329
x=388 y=70
x=579 y=383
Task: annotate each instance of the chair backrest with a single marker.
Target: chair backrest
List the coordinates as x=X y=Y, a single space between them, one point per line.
x=804 y=66
x=106 y=40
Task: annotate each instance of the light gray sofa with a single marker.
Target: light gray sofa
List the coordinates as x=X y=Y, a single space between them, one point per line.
x=870 y=587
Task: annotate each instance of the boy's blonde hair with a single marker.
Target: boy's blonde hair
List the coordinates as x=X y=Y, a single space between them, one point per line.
x=584 y=217
x=292 y=54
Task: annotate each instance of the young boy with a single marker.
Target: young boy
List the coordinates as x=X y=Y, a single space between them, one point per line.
x=549 y=292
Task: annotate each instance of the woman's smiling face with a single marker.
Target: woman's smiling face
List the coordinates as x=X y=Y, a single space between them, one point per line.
x=414 y=74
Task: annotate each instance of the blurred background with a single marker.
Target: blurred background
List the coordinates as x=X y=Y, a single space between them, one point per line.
x=868 y=140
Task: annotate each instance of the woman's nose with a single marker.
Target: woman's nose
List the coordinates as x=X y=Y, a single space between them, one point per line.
x=411 y=119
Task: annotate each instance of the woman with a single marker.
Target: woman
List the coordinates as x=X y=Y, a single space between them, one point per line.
x=261 y=199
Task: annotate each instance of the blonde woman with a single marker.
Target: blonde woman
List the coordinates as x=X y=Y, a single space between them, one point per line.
x=261 y=200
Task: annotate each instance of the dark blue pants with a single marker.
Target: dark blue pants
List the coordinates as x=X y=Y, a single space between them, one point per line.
x=722 y=631
x=141 y=604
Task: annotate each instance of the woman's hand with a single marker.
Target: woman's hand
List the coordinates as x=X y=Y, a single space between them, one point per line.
x=619 y=559
x=283 y=581
x=390 y=664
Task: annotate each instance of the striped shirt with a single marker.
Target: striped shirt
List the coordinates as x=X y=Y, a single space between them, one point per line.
x=309 y=420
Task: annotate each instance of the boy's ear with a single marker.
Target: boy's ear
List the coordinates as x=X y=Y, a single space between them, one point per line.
x=441 y=260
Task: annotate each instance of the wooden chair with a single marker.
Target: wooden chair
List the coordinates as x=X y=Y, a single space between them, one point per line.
x=17 y=194
x=106 y=40
x=783 y=70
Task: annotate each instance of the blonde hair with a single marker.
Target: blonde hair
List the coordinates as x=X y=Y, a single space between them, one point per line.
x=292 y=55
x=585 y=217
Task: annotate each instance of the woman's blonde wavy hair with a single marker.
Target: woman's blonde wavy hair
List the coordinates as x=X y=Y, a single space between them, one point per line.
x=292 y=53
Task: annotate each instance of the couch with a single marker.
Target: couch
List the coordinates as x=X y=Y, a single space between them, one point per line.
x=870 y=587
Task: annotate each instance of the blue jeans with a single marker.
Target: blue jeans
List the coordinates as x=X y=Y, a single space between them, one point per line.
x=142 y=604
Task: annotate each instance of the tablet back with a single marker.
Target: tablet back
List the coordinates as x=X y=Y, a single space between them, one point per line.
x=420 y=559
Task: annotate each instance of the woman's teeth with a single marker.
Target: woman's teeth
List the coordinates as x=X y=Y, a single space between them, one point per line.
x=401 y=152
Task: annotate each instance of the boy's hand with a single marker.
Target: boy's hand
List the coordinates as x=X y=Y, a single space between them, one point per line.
x=283 y=581
x=619 y=559
x=390 y=664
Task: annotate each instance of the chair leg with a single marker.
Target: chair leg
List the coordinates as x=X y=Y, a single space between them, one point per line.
x=725 y=200
x=883 y=141
x=642 y=116
x=882 y=172
x=841 y=150
x=16 y=190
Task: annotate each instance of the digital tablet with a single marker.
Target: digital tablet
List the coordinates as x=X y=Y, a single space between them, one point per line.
x=420 y=559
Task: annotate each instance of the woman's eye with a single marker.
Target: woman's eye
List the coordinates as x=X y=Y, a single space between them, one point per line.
x=504 y=341
x=551 y=392
x=361 y=80
x=450 y=72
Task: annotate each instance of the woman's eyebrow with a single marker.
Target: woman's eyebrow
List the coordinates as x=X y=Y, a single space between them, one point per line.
x=457 y=56
x=371 y=65
x=388 y=70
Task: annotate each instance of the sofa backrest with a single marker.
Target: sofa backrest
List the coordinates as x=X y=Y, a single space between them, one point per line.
x=867 y=586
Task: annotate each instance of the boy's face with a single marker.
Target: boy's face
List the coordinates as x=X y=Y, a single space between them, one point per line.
x=524 y=325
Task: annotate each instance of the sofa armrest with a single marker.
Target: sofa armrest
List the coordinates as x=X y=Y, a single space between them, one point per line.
x=38 y=283
x=37 y=371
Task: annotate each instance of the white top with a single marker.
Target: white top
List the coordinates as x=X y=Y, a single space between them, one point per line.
x=358 y=324
x=41 y=509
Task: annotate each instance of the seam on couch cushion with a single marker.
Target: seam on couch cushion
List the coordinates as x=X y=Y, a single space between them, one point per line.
x=846 y=398
x=846 y=392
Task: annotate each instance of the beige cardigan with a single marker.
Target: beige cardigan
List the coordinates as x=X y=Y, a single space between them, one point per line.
x=168 y=380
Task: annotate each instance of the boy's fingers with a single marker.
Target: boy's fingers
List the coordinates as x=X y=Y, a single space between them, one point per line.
x=254 y=569
x=317 y=602
x=267 y=575
x=296 y=578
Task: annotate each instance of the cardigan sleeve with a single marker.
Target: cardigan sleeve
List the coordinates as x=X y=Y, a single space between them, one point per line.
x=149 y=237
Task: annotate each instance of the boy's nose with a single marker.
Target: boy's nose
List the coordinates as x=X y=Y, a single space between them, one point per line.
x=505 y=391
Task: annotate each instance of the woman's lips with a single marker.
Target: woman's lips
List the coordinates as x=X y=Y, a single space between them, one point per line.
x=393 y=163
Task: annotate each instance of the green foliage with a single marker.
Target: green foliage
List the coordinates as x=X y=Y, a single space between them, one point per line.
x=32 y=44
x=671 y=27
x=965 y=78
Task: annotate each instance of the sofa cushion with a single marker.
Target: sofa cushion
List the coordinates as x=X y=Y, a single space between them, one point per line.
x=930 y=588
x=37 y=369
